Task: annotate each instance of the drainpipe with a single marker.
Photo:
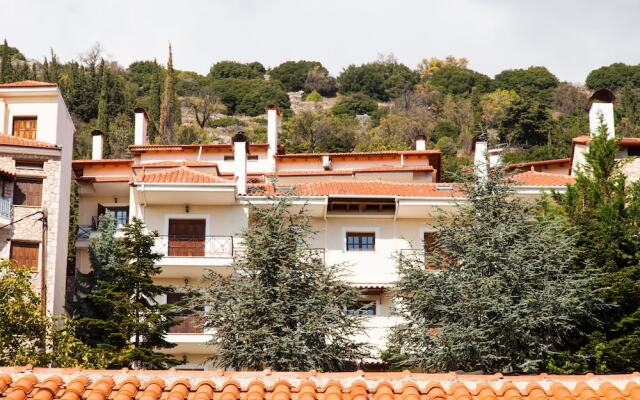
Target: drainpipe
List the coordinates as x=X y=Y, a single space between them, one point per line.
x=43 y=262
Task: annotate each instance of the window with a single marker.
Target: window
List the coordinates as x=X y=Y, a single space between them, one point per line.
x=633 y=151
x=363 y=307
x=250 y=157
x=37 y=165
x=25 y=254
x=120 y=213
x=361 y=241
x=27 y=192
x=188 y=322
x=25 y=127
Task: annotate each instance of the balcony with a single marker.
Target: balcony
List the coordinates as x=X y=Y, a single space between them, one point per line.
x=188 y=324
x=5 y=210
x=185 y=256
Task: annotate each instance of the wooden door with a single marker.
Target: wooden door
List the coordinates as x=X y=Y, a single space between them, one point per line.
x=25 y=254
x=25 y=127
x=186 y=237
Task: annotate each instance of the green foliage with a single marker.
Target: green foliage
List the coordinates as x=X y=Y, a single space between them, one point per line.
x=115 y=303
x=233 y=69
x=120 y=136
x=604 y=208
x=192 y=134
x=282 y=308
x=382 y=80
x=168 y=106
x=460 y=81
x=614 y=76
x=535 y=82
x=355 y=104
x=318 y=80
x=27 y=336
x=526 y=123
x=313 y=96
x=313 y=132
x=250 y=96
x=103 y=119
x=224 y=122
x=293 y=74
x=499 y=293
x=447 y=146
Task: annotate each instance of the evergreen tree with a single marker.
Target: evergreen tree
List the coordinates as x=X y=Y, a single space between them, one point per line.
x=154 y=109
x=498 y=293
x=115 y=305
x=6 y=73
x=605 y=209
x=54 y=69
x=283 y=308
x=168 y=106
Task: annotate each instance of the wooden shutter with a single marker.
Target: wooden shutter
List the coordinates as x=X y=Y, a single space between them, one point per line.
x=25 y=127
x=27 y=192
x=429 y=240
x=186 y=237
x=25 y=254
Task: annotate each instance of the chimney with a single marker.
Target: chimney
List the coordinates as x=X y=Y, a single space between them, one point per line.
x=273 y=126
x=96 y=145
x=141 y=122
x=240 y=146
x=601 y=107
x=480 y=160
x=421 y=143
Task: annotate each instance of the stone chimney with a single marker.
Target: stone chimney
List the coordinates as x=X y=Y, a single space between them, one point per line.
x=97 y=145
x=273 y=128
x=240 y=149
x=141 y=123
x=480 y=160
x=601 y=107
x=421 y=143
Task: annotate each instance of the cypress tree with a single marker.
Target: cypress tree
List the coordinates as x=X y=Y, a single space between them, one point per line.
x=6 y=73
x=115 y=303
x=102 y=123
x=155 y=103
x=168 y=106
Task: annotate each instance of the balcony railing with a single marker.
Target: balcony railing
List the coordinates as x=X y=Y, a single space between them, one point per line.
x=84 y=232
x=194 y=246
x=5 y=207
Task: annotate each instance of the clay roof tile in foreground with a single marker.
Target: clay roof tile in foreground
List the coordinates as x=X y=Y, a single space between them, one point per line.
x=19 y=383
x=180 y=175
x=9 y=140
x=27 y=84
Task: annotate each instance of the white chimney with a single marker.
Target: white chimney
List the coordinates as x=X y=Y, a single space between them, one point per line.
x=96 y=145
x=480 y=160
x=601 y=107
x=326 y=162
x=421 y=143
x=273 y=126
x=240 y=145
x=141 y=123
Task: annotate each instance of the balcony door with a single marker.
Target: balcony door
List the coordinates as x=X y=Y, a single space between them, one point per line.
x=186 y=237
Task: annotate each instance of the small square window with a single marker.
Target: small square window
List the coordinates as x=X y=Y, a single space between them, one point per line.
x=363 y=307
x=361 y=241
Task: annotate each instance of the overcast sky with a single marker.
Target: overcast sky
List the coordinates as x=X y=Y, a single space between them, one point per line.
x=570 y=37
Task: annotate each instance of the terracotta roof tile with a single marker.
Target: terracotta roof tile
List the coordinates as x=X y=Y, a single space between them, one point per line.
x=124 y=161
x=370 y=188
x=9 y=140
x=526 y=165
x=360 y=153
x=178 y=147
x=186 y=163
x=534 y=178
x=318 y=172
x=180 y=175
x=27 y=84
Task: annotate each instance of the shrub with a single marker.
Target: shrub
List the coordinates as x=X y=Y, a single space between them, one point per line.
x=355 y=104
x=234 y=69
x=293 y=74
x=313 y=96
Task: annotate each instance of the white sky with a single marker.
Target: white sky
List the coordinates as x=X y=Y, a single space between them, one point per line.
x=570 y=37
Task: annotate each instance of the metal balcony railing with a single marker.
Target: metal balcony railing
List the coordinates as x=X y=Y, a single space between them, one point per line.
x=194 y=246
x=84 y=232
x=5 y=207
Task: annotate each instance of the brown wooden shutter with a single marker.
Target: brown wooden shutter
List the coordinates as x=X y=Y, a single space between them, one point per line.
x=25 y=254
x=25 y=127
x=27 y=192
x=186 y=237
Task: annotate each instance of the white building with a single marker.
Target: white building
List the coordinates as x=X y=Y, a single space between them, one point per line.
x=368 y=207
x=36 y=140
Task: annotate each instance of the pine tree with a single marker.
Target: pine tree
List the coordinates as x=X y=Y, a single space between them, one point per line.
x=168 y=106
x=605 y=209
x=498 y=292
x=115 y=302
x=282 y=308
x=6 y=73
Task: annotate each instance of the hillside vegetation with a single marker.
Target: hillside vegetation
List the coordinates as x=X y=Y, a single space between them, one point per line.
x=379 y=105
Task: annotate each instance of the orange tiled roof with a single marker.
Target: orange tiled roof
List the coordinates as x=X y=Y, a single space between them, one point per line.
x=356 y=153
x=106 y=161
x=10 y=140
x=365 y=188
x=75 y=384
x=178 y=147
x=27 y=84
x=103 y=179
x=534 y=178
x=186 y=163
x=180 y=175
